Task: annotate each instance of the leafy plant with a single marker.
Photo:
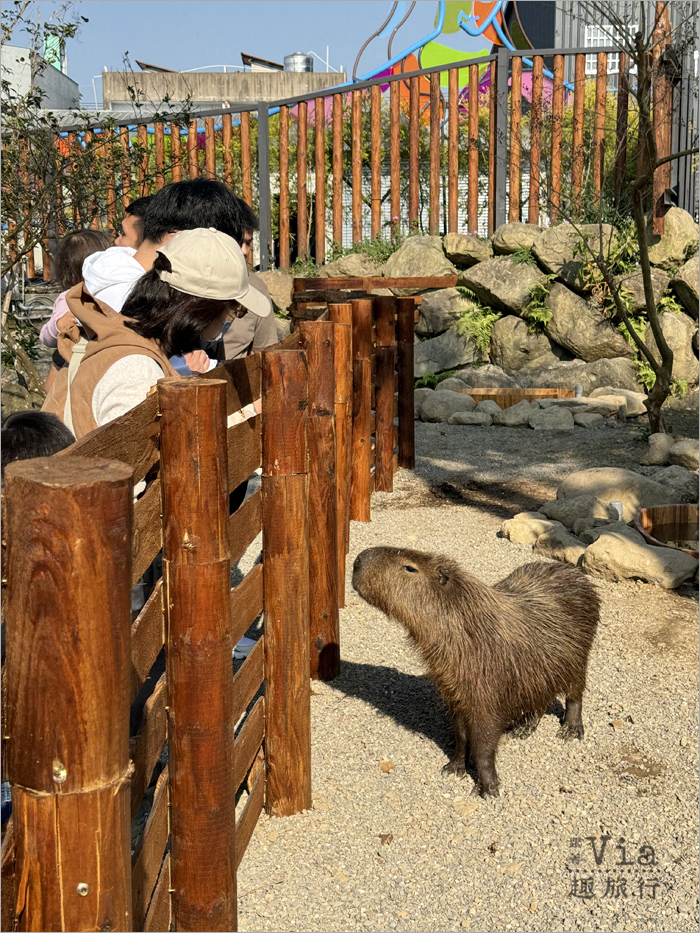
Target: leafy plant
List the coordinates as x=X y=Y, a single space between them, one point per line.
x=305 y=267
x=476 y=324
x=524 y=256
x=431 y=380
x=536 y=312
x=669 y=304
x=679 y=388
x=645 y=374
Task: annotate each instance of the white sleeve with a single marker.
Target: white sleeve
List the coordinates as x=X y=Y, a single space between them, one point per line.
x=115 y=295
x=124 y=386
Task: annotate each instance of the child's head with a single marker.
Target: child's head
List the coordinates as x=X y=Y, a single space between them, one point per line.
x=72 y=252
x=131 y=233
x=29 y=434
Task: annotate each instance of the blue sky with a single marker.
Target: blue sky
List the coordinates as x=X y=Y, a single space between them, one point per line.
x=186 y=34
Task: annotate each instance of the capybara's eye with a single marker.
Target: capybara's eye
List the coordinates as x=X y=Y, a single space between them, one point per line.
x=410 y=569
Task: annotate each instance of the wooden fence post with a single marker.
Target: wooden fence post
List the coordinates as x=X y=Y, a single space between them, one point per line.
x=318 y=343
x=68 y=670
x=199 y=646
x=361 y=408
x=341 y=315
x=384 y=398
x=286 y=581
x=405 y=308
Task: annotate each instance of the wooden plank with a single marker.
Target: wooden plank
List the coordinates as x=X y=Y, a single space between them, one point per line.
x=249 y=817
x=338 y=169
x=248 y=741
x=341 y=314
x=516 y=99
x=473 y=155
x=302 y=219
x=533 y=216
x=210 y=147
x=8 y=874
x=623 y=92
x=147 y=530
x=248 y=679
x=289 y=343
x=601 y=86
x=507 y=397
x=246 y=602
x=405 y=340
x=419 y=282
x=144 y=181
x=577 y=141
x=159 y=135
x=320 y=166
x=452 y=150
x=395 y=156
x=434 y=216
x=244 y=526
x=244 y=451
x=557 y=131
x=242 y=379
x=158 y=915
x=147 y=745
x=146 y=638
x=176 y=151
x=227 y=142
x=385 y=367
x=376 y=160
x=246 y=160
x=413 y=153
x=148 y=858
x=361 y=406
x=192 y=149
x=284 y=189
x=356 y=126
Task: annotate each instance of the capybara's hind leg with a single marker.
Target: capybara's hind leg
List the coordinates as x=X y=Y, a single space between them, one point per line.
x=524 y=728
x=458 y=762
x=572 y=727
x=484 y=743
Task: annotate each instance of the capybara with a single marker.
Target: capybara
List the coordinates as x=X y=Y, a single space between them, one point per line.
x=499 y=655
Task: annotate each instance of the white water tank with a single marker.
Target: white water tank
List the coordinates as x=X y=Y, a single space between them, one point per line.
x=298 y=61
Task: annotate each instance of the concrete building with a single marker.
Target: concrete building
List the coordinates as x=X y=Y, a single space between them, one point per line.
x=60 y=92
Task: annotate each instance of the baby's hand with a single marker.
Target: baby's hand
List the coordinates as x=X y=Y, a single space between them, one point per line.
x=198 y=361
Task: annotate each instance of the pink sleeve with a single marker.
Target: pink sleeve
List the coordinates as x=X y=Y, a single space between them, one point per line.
x=49 y=332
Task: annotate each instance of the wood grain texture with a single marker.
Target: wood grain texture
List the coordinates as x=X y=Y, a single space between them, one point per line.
x=507 y=397
x=284 y=450
x=176 y=151
x=158 y=915
x=8 y=879
x=248 y=741
x=376 y=160
x=250 y=816
x=557 y=136
x=302 y=207
x=247 y=680
x=246 y=602
x=227 y=144
x=147 y=744
x=413 y=152
x=601 y=86
x=578 y=126
x=246 y=160
x=395 y=155
x=452 y=150
x=338 y=169
x=192 y=149
x=385 y=368
x=209 y=147
x=126 y=163
x=144 y=181
x=147 y=638
x=405 y=337
x=362 y=310
x=356 y=125
x=242 y=379
x=148 y=857
x=516 y=100
x=342 y=315
x=533 y=216
x=244 y=526
x=159 y=137
x=320 y=169
x=660 y=524
x=244 y=451
x=434 y=217
x=147 y=531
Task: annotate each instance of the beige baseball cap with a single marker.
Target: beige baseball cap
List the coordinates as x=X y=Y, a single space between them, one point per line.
x=210 y=264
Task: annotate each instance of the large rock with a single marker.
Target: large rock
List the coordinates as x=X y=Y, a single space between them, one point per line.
x=634 y=285
x=279 y=284
x=516 y=350
x=683 y=483
x=616 y=557
x=471 y=417
x=559 y=545
x=489 y=406
x=612 y=484
x=439 y=310
x=526 y=527
x=680 y=234
x=418 y=256
x=487 y=376
x=284 y=328
x=557 y=250
x=419 y=396
x=580 y=326
x=567 y=511
x=678 y=330
x=588 y=419
x=635 y=402
x=685 y=285
x=448 y=351
x=440 y=405
x=567 y=375
x=584 y=405
x=515 y=415
x=552 y=419
x=659 y=449
x=502 y=283
x=592 y=533
x=466 y=249
x=509 y=238
x=452 y=384
x=354 y=265
x=685 y=454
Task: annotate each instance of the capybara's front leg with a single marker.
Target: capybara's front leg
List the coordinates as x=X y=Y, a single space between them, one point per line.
x=458 y=762
x=572 y=727
x=484 y=742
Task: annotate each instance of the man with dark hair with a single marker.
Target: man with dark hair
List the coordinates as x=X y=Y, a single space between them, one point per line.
x=29 y=434
x=132 y=223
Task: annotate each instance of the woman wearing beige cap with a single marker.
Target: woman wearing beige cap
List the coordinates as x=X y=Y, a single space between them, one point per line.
x=199 y=280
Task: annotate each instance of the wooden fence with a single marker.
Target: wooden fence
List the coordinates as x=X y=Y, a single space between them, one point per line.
x=106 y=719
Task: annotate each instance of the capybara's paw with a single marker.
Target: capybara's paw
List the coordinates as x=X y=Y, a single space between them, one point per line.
x=455 y=766
x=571 y=731
x=482 y=789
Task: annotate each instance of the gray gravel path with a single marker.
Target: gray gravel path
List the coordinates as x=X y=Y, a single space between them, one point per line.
x=391 y=843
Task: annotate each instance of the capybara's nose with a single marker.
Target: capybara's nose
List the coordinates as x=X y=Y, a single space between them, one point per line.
x=358 y=563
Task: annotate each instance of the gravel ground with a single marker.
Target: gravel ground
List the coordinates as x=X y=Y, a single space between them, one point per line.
x=393 y=844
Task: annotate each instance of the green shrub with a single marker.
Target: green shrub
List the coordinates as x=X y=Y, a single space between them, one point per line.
x=431 y=380
x=536 y=312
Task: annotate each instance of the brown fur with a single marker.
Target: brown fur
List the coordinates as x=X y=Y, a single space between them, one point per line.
x=499 y=655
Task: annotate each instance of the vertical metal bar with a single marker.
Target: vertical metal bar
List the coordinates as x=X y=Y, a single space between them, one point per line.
x=452 y=150
x=264 y=195
x=501 y=137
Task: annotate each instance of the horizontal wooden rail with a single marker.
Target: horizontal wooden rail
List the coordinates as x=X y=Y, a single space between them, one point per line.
x=146 y=638
x=244 y=451
x=370 y=283
x=248 y=741
x=250 y=816
x=147 y=745
x=148 y=857
x=246 y=602
x=248 y=679
x=244 y=526
x=147 y=530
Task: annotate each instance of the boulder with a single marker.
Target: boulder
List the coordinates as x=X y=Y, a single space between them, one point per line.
x=580 y=326
x=509 y=238
x=588 y=406
x=685 y=454
x=419 y=396
x=611 y=528
x=440 y=405
x=634 y=285
x=417 y=255
x=471 y=417
x=588 y=419
x=516 y=415
x=557 y=250
x=487 y=377
x=659 y=448
x=448 y=351
x=16 y=397
x=465 y=249
x=682 y=482
x=526 y=527
x=284 y=328
x=680 y=233
x=552 y=419
x=439 y=310
x=583 y=526
x=567 y=375
x=559 y=545
x=635 y=402
x=279 y=284
x=678 y=330
x=685 y=285
x=616 y=556
x=516 y=350
x=568 y=511
x=502 y=283
x=354 y=265
x=613 y=484
x=452 y=385
x=688 y=402
x=489 y=406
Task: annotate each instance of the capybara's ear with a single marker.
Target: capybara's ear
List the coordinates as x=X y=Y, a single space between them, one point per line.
x=443 y=574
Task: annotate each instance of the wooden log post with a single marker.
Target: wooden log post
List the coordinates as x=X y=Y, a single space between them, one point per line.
x=405 y=308
x=302 y=219
x=533 y=216
x=341 y=315
x=473 y=152
x=362 y=309
x=516 y=99
x=452 y=150
x=434 y=210
x=68 y=673
x=284 y=189
x=318 y=343
x=286 y=581
x=384 y=399
x=199 y=647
